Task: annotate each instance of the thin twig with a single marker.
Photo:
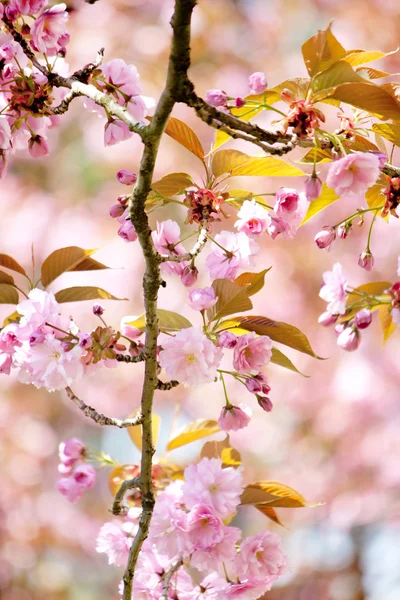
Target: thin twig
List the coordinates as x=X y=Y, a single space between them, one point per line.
x=99 y=418
x=195 y=251
x=165 y=386
x=129 y=484
x=127 y=358
x=167 y=578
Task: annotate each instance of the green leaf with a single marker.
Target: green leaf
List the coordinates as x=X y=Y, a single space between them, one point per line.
x=10 y=263
x=185 y=136
x=238 y=163
x=172 y=184
x=338 y=73
x=321 y=51
x=278 y=332
x=370 y=97
x=356 y=58
x=167 y=321
x=389 y=131
x=71 y=258
x=253 y=282
x=327 y=197
x=232 y=298
x=192 y=432
x=373 y=288
x=272 y=493
x=84 y=292
x=385 y=318
x=278 y=358
x=6 y=278
x=8 y=294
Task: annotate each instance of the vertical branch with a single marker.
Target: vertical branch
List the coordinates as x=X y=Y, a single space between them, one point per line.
x=179 y=63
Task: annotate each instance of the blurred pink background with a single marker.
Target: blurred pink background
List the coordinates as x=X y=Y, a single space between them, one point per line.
x=334 y=437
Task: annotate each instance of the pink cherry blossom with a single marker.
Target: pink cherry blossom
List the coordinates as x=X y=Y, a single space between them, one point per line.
x=114 y=541
x=126 y=177
x=202 y=298
x=208 y=483
x=249 y=589
x=6 y=362
x=289 y=210
x=49 y=30
x=190 y=357
x=253 y=219
x=71 y=489
x=166 y=239
x=85 y=475
x=326 y=319
x=41 y=306
x=333 y=290
x=189 y=275
x=204 y=528
x=252 y=353
x=325 y=238
x=233 y=418
x=261 y=557
x=257 y=83
x=123 y=76
x=286 y=202
x=116 y=131
x=48 y=365
x=71 y=449
x=396 y=316
x=168 y=528
x=223 y=551
x=235 y=251
x=353 y=174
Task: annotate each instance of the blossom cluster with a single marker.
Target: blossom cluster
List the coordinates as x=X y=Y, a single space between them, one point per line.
x=76 y=475
x=47 y=349
x=188 y=529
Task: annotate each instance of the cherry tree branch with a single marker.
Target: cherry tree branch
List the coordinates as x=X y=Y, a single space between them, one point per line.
x=179 y=62
x=165 y=386
x=195 y=251
x=129 y=484
x=99 y=418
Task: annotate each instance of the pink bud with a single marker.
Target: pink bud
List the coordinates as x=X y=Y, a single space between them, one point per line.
x=116 y=131
x=126 y=177
x=363 y=318
x=344 y=229
x=276 y=226
x=85 y=340
x=216 y=98
x=366 y=260
x=325 y=238
x=98 y=310
x=71 y=449
x=239 y=102
x=117 y=210
x=313 y=188
x=234 y=418
x=12 y=13
x=189 y=276
x=228 y=340
x=258 y=385
x=202 y=298
x=85 y=475
x=257 y=83
x=127 y=232
x=349 y=339
x=340 y=327
x=326 y=319
x=265 y=403
x=38 y=146
x=123 y=200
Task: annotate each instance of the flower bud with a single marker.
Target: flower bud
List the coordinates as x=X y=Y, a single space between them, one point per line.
x=363 y=318
x=349 y=339
x=239 y=102
x=202 y=298
x=38 y=146
x=12 y=13
x=126 y=177
x=344 y=229
x=98 y=310
x=366 y=260
x=313 y=188
x=216 y=98
x=340 y=327
x=257 y=83
x=117 y=210
x=228 y=340
x=325 y=238
x=127 y=232
x=326 y=319
x=189 y=275
x=265 y=403
x=85 y=340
